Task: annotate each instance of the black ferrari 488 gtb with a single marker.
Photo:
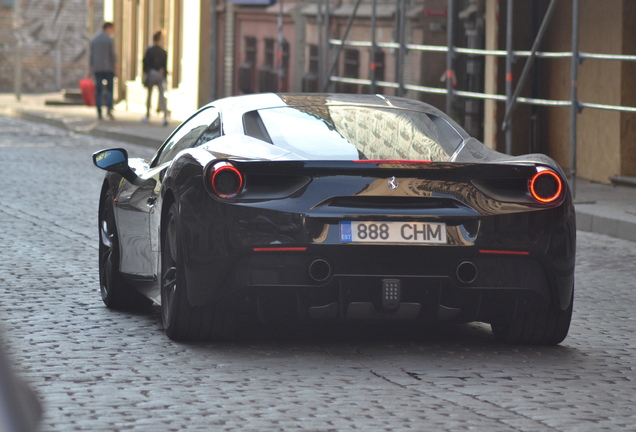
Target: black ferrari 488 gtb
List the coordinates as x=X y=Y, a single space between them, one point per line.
x=307 y=207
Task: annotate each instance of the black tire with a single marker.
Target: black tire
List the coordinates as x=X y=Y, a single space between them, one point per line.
x=115 y=292
x=181 y=321
x=534 y=328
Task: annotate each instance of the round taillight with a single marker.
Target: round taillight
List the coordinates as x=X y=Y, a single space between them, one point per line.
x=226 y=180
x=546 y=186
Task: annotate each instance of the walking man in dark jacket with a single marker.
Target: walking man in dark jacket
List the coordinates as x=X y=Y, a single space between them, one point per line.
x=155 y=64
x=103 y=64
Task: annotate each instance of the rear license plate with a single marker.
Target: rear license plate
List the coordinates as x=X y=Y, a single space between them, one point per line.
x=393 y=232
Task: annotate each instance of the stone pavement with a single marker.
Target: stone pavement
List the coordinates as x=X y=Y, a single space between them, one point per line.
x=608 y=209
x=96 y=369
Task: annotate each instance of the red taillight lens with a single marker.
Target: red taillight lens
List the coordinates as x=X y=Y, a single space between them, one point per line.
x=226 y=180
x=546 y=186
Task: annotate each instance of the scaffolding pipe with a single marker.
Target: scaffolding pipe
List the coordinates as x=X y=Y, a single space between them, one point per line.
x=327 y=23
x=58 y=59
x=509 y=61
x=574 y=109
x=214 y=49
x=485 y=96
x=526 y=68
x=90 y=29
x=334 y=64
x=495 y=53
x=402 y=50
x=228 y=61
x=322 y=69
x=17 y=65
x=374 y=47
x=280 y=70
x=450 y=74
x=617 y=108
x=575 y=55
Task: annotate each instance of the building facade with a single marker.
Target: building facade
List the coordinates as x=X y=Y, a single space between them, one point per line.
x=221 y=48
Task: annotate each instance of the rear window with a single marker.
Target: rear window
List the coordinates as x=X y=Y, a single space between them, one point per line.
x=347 y=132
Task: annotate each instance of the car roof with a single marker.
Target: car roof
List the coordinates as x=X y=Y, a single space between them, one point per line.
x=251 y=102
x=233 y=108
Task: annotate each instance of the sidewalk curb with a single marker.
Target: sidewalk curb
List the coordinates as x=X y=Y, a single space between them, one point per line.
x=605 y=225
x=115 y=130
x=91 y=128
x=619 y=226
x=127 y=137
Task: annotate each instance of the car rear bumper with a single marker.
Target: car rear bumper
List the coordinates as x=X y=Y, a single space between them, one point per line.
x=298 y=266
x=362 y=284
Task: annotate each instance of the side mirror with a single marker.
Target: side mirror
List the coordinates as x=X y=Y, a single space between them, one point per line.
x=115 y=160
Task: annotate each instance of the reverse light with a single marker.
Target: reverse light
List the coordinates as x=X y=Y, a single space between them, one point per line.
x=546 y=186
x=226 y=180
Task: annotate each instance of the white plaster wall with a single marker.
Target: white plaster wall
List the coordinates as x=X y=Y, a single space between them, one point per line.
x=183 y=100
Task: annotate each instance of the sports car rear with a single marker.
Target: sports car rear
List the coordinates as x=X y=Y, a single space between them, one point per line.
x=383 y=240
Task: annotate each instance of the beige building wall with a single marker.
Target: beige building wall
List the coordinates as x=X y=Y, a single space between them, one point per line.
x=628 y=92
x=186 y=26
x=605 y=139
x=184 y=97
x=598 y=131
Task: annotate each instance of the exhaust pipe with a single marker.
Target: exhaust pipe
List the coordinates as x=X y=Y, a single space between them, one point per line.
x=466 y=272
x=319 y=270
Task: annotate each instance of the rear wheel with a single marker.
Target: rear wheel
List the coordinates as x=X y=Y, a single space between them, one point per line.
x=182 y=321
x=116 y=293
x=534 y=328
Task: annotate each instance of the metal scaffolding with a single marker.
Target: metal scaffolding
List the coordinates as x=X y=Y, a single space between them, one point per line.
x=512 y=95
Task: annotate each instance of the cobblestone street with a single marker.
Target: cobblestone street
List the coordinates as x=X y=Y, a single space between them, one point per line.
x=100 y=370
